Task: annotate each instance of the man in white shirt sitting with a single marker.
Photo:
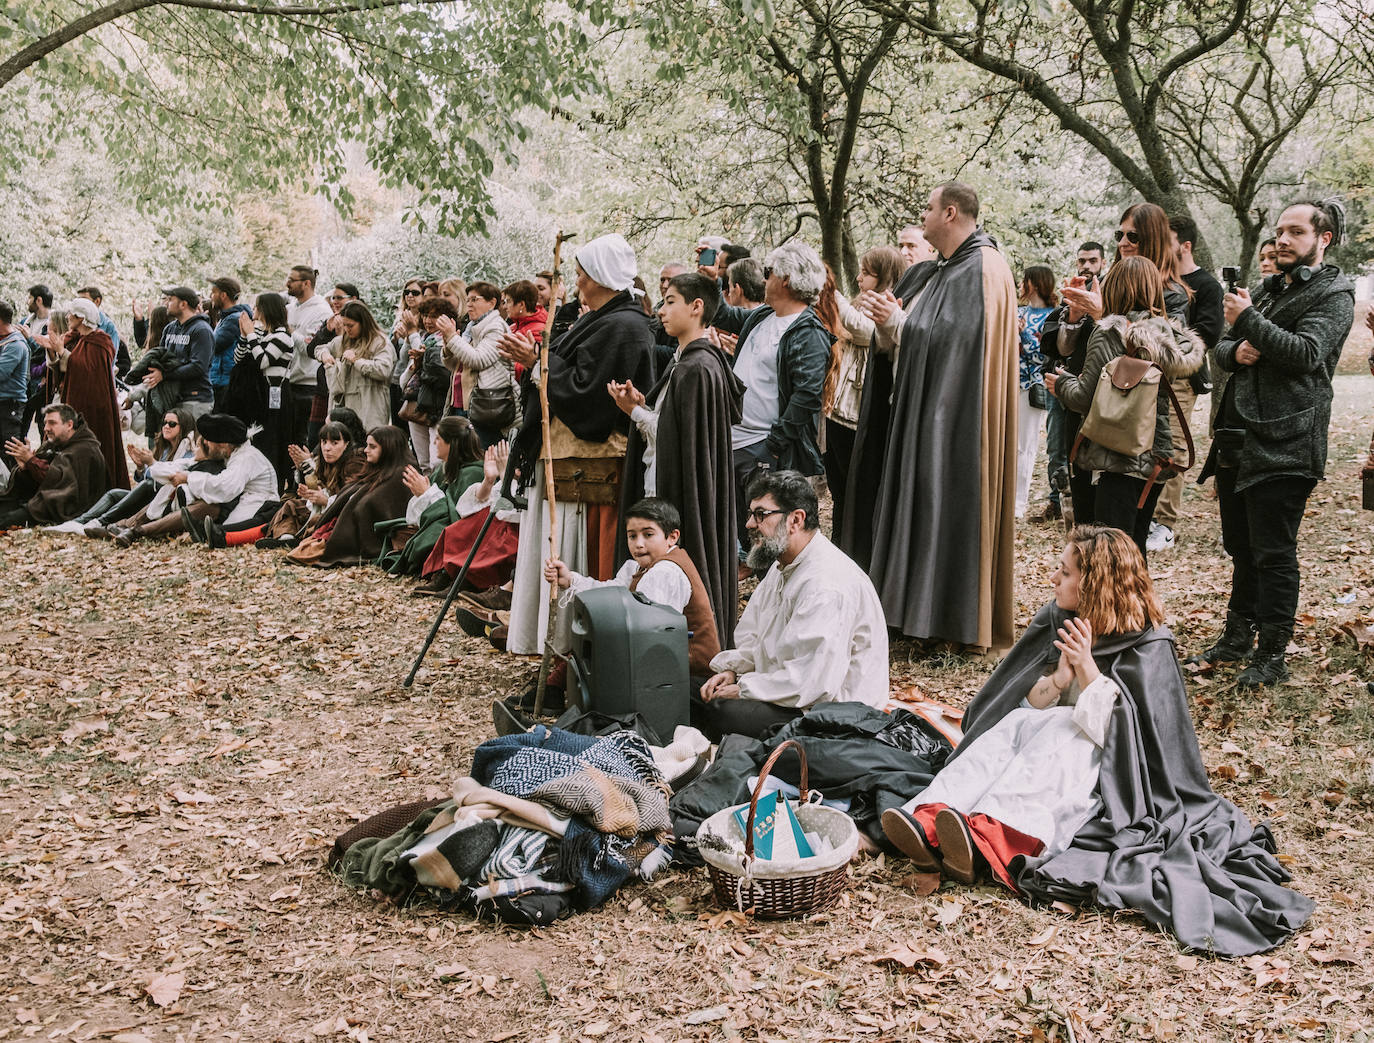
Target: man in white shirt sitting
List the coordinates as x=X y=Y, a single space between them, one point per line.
x=234 y=494
x=814 y=630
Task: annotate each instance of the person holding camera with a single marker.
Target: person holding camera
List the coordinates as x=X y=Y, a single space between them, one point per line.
x=1269 y=450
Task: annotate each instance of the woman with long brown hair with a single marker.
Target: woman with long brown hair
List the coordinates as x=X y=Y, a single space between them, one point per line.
x=346 y=533
x=1079 y=777
x=879 y=270
x=358 y=364
x=1127 y=487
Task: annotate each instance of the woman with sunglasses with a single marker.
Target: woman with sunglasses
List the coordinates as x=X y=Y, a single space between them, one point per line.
x=175 y=440
x=1143 y=232
x=407 y=321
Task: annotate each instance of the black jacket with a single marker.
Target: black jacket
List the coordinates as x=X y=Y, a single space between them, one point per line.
x=803 y=358
x=1283 y=402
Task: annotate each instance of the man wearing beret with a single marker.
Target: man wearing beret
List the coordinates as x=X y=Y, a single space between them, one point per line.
x=234 y=494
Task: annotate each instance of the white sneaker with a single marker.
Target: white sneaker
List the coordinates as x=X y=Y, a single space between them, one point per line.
x=71 y=528
x=1161 y=538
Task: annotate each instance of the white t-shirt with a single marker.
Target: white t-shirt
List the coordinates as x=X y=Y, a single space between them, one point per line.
x=757 y=367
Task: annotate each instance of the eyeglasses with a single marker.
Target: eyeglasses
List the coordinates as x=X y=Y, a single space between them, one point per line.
x=768 y=273
x=759 y=514
x=1130 y=237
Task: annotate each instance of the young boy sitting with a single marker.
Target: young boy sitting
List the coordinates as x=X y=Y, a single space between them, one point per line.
x=660 y=570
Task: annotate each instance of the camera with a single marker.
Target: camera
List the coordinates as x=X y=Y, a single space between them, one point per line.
x=1230 y=275
x=1060 y=480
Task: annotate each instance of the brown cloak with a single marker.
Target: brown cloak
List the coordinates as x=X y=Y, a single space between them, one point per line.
x=88 y=387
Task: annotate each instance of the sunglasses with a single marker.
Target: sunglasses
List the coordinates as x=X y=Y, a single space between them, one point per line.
x=1130 y=237
x=410 y=293
x=170 y=423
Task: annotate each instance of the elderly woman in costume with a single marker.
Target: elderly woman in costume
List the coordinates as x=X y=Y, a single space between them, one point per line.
x=1079 y=778
x=611 y=341
x=86 y=364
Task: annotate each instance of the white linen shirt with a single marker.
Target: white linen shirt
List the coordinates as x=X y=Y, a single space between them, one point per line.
x=813 y=632
x=247 y=475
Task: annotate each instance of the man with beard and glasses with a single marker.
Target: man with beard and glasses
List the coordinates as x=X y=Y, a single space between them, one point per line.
x=1269 y=450
x=813 y=632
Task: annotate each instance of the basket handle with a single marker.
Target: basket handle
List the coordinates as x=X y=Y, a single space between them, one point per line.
x=758 y=789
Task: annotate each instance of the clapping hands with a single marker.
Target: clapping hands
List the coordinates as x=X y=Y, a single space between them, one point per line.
x=1075 y=646
x=417 y=483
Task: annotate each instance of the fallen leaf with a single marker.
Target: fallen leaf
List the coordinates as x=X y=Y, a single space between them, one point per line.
x=703 y=1017
x=907 y=957
x=165 y=989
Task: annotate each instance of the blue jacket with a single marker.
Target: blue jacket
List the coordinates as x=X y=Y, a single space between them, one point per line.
x=226 y=340
x=107 y=324
x=14 y=367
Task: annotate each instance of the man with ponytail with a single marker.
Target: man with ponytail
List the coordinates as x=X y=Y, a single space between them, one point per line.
x=1269 y=451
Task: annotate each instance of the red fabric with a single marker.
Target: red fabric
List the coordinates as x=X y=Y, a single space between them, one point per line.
x=457 y=389
x=319 y=409
x=242 y=536
x=495 y=561
x=532 y=326
x=322 y=532
x=996 y=842
x=88 y=387
x=603 y=525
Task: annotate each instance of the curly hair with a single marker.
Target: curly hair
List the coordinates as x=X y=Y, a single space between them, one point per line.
x=1115 y=594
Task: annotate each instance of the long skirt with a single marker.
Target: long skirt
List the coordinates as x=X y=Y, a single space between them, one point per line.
x=495 y=560
x=529 y=615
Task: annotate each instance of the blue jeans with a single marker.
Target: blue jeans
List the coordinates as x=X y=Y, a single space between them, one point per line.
x=1055 y=449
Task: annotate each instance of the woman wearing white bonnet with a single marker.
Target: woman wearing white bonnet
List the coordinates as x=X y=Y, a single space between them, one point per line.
x=610 y=342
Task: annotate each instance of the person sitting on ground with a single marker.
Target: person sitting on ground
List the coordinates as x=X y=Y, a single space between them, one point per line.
x=347 y=532
x=493 y=565
x=58 y=480
x=1079 y=776
x=813 y=632
x=175 y=441
x=433 y=502
x=235 y=493
x=660 y=570
x=320 y=476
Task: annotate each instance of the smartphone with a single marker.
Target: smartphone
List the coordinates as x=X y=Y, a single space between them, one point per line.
x=707 y=257
x=1230 y=275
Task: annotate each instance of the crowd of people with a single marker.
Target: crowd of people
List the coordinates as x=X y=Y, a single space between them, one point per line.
x=686 y=443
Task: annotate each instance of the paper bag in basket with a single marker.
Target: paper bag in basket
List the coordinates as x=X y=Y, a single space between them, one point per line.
x=777 y=833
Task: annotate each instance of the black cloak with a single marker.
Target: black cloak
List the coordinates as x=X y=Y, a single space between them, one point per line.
x=698 y=399
x=1163 y=844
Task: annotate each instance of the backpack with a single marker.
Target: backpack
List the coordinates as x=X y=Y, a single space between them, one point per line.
x=1123 y=412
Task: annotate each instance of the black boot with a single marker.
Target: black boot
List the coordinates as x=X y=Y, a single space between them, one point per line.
x=1233 y=645
x=1266 y=665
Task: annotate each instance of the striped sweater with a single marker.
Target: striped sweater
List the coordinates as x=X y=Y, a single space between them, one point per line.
x=272 y=352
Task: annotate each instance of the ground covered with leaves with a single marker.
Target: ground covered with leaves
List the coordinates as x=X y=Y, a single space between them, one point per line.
x=185 y=732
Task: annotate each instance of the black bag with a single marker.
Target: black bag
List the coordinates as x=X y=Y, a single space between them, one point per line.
x=492 y=408
x=1039 y=397
x=1229 y=442
x=1368 y=501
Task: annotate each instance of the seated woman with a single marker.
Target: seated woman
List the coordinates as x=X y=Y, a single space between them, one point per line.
x=434 y=500
x=347 y=532
x=336 y=463
x=175 y=441
x=1079 y=777
x=494 y=564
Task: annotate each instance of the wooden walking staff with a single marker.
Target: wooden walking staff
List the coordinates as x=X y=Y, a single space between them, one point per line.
x=546 y=661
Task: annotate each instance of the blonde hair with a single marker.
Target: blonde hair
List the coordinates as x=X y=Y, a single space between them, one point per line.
x=1115 y=594
x=1133 y=284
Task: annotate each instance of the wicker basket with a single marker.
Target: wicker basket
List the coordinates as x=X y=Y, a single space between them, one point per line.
x=778 y=890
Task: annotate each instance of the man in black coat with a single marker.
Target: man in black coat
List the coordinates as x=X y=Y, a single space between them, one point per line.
x=1269 y=451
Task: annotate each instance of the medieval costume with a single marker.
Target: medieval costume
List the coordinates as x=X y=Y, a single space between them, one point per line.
x=933 y=477
x=58 y=482
x=494 y=563
x=346 y=533
x=813 y=632
x=428 y=515
x=1137 y=825
x=612 y=343
x=682 y=435
x=88 y=387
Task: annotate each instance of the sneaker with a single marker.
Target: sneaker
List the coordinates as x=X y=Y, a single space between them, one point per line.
x=1161 y=538
x=71 y=528
x=192 y=526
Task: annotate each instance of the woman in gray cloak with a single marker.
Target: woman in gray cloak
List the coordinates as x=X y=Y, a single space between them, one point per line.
x=1079 y=777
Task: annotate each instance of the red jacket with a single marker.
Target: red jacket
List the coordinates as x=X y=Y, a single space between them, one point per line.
x=533 y=326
